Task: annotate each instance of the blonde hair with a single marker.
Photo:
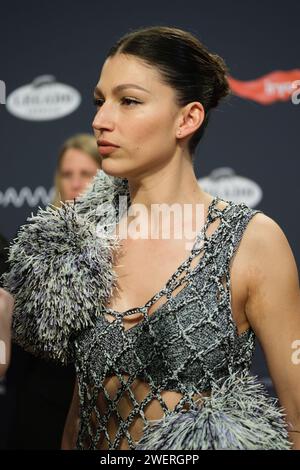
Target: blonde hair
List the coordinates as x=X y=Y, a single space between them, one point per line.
x=84 y=142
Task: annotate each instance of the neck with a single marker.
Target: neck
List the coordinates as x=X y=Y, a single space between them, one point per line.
x=175 y=183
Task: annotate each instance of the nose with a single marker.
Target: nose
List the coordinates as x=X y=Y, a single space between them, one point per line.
x=103 y=118
x=77 y=182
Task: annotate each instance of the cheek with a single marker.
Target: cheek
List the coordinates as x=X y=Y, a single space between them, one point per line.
x=156 y=130
x=63 y=185
x=65 y=188
x=66 y=183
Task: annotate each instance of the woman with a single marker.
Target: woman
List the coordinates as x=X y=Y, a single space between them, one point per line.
x=78 y=162
x=46 y=387
x=161 y=333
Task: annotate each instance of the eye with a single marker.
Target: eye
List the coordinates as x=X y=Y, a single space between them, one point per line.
x=130 y=101
x=65 y=174
x=97 y=101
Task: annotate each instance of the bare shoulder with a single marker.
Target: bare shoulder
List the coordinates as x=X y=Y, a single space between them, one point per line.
x=264 y=256
x=262 y=238
x=270 y=258
x=265 y=237
x=263 y=230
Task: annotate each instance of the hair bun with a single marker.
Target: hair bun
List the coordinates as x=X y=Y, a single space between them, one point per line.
x=221 y=85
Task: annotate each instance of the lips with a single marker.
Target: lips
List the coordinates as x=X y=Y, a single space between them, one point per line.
x=106 y=149
x=105 y=143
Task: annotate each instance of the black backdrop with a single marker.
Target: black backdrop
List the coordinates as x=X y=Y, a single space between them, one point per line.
x=250 y=151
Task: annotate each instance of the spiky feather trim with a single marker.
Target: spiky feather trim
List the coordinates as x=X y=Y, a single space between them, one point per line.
x=104 y=191
x=60 y=271
x=239 y=414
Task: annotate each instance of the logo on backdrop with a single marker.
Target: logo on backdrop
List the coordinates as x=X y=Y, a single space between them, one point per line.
x=26 y=196
x=224 y=182
x=271 y=88
x=296 y=93
x=44 y=99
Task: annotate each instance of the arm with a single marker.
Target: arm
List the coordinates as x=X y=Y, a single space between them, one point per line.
x=273 y=310
x=6 y=309
x=72 y=422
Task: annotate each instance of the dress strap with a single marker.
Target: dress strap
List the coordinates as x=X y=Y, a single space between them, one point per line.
x=240 y=218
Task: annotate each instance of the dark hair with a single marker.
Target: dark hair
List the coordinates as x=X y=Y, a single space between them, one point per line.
x=184 y=63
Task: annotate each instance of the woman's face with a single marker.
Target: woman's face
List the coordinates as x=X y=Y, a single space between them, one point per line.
x=77 y=169
x=141 y=122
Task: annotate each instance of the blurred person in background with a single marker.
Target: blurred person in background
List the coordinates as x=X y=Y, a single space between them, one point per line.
x=6 y=309
x=78 y=162
x=44 y=388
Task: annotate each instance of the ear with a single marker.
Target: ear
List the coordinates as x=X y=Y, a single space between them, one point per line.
x=192 y=117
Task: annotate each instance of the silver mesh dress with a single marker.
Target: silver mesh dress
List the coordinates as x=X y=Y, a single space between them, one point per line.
x=62 y=276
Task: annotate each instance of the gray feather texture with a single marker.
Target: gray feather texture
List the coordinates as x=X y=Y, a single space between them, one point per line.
x=239 y=415
x=61 y=270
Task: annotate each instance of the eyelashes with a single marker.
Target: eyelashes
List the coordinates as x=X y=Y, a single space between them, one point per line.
x=129 y=101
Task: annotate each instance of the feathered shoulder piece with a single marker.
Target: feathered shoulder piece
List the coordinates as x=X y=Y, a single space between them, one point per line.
x=60 y=268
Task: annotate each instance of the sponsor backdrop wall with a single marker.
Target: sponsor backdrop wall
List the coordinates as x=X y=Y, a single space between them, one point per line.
x=51 y=56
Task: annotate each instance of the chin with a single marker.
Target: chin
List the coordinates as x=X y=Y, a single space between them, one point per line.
x=115 y=168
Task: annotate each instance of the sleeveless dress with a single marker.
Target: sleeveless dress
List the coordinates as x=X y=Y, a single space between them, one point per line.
x=189 y=344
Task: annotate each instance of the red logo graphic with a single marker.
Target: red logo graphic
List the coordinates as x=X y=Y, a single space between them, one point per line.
x=275 y=86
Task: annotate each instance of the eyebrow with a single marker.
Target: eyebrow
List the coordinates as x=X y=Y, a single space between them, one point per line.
x=117 y=88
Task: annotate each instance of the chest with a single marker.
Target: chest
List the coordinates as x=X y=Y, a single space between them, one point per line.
x=144 y=267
